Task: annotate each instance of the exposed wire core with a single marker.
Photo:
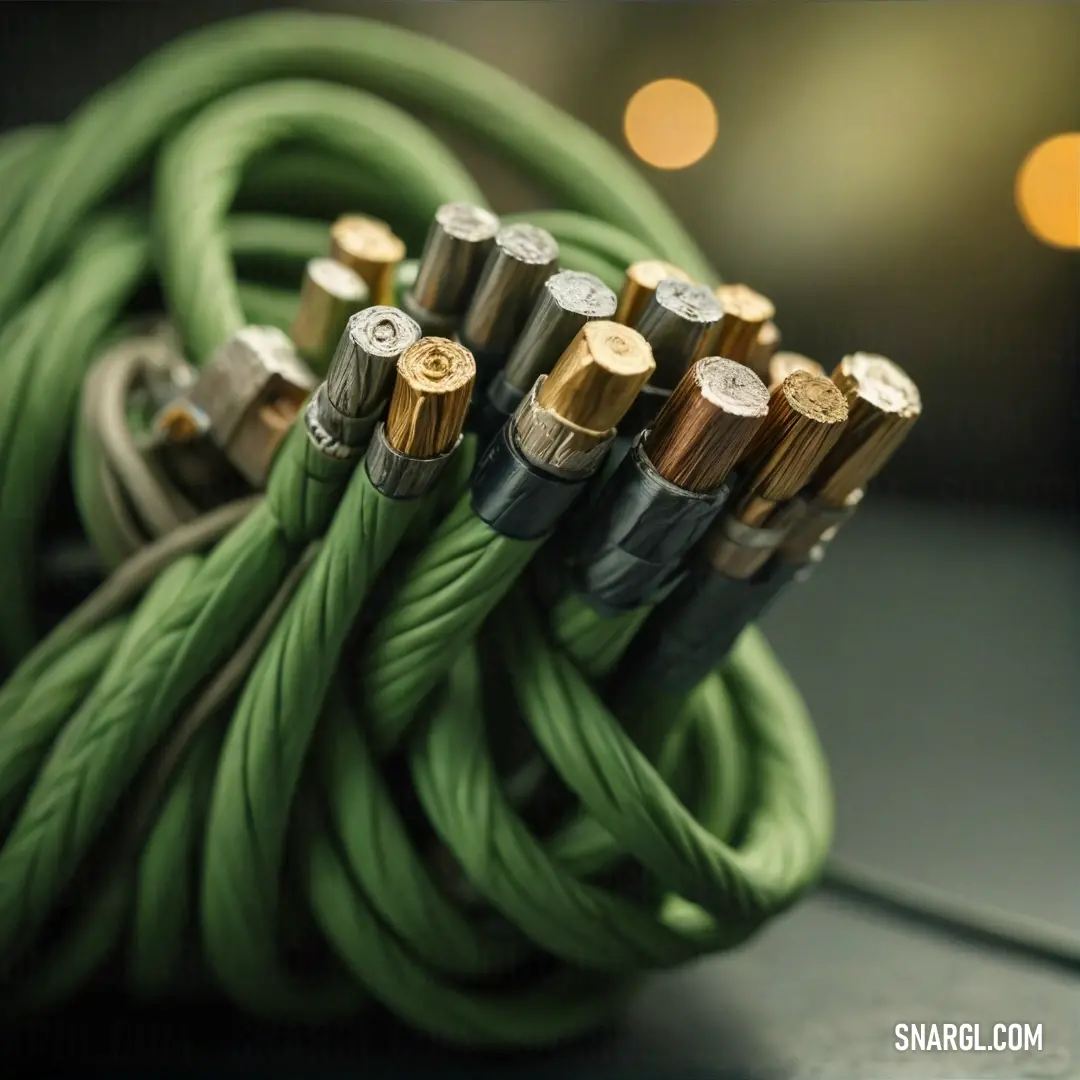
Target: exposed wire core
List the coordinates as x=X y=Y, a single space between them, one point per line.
x=639 y=285
x=767 y=344
x=567 y=301
x=431 y=397
x=678 y=322
x=366 y=357
x=458 y=243
x=806 y=414
x=598 y=377
x=883 y=405
x=566 y=423
x=745 y=314
x=369 y=247
x=782 y=364
x=330 y=294
x=704 y=428
x=523 y=258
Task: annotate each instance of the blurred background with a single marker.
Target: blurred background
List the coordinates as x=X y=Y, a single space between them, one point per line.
x=875 y=169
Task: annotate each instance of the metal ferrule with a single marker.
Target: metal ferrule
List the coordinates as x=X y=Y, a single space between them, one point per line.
x=335 y=434
x=515 y=497
x=234 y=395
x=752 y=537
x=694 y=629
x=678 y=320
x=822 y=513
x=399 y=476
x=553 y=444
x=640 y=528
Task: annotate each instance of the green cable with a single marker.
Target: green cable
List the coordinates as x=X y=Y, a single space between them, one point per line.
x=115 y=130
x=199 y=173
x=452 y=586
x=329 y=627
x=44 y=366
x=21 y=153
x=266 y=745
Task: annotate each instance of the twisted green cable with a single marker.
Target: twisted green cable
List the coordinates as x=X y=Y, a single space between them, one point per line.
x=267 y=742
x=209 y=154
x=280 y=672
x=119 y=127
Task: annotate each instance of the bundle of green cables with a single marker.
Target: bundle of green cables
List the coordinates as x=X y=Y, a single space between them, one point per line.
x=208 y=782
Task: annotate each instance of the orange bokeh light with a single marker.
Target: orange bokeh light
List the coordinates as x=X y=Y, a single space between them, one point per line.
x=1048 y=191
x=670 y=123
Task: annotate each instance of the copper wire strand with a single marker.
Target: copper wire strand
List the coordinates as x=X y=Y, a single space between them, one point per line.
x=706 y=425
x=765 y=347
x=806 y=417
x=782 y=364
x=597 y=378
x=639 y=285
x=883 y=406
x=369 y=247
x=745 y=314
x=431 y=395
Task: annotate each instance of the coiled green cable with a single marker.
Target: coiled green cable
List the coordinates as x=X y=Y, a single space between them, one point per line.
x=299 y=717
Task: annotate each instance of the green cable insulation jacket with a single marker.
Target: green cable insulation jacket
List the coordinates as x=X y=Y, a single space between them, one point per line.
x=565 y=1004
x=164 y=591
x=541 y=895
x=154 y=895
x=42 y=371
x=155 y=953
x=28 y=731
x=199 y=171
x=781 y=854
x=274 y=239
x=452 y=586
x=712 y=719
x=594 y=642
x=311 y=183
x=183 y=643
x=33 y=708
x=120 y=590
x=118 y=127
x=157 y=892
x=21 y=154
x=264 y=750
x=391 y=868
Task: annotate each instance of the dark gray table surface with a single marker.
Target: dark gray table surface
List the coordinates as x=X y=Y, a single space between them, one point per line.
x=937 y=651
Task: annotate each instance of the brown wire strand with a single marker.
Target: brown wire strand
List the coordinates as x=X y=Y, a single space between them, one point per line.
x=704 y=428
x=806 y=417
x=883 y=405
